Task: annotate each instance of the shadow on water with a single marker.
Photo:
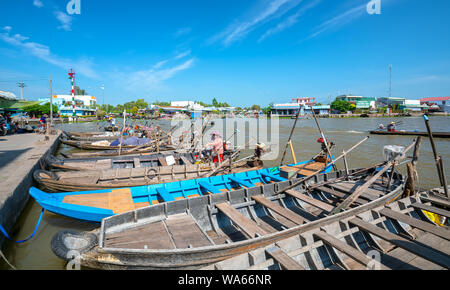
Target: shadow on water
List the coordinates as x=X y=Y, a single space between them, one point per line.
x=9 y=156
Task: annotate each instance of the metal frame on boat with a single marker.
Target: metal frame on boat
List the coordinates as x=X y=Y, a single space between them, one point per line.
x=397 y=236
x=98 y=204
x=196 y=232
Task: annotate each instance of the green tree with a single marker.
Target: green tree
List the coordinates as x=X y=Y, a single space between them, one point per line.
x=215 y=103
x=341 y=106
x=256 y=108
x=134 y=110
x=39 y=110
x=78 y=91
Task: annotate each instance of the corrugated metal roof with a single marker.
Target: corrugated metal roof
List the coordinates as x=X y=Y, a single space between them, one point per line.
x=436 y=99
x=8 y=95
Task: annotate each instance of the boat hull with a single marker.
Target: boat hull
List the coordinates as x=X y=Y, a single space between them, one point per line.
x=401 y=133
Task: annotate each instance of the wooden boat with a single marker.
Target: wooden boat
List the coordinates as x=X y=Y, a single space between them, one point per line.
x=99 y=204
x=112 y=129
x=130 y=177
x=89 y=145
x=196 y=232
x=398 y=236
x=405 y=133
x=89 y=137
x=127 y=161
x=115 y=152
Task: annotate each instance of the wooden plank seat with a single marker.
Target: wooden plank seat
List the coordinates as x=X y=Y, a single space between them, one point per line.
x=141 y=237
x=241 y=182
x=338 y=194
x=346 y=249
x=209 y=187
x=164 y=194
x=285 y=261
x=185 y=160
x=248 y=227
x=284 y=212
x=417 y=249
x=432 y=209
x=273 y=177
x=312 y=201
x=162 y=160
x=310 y=168
x=185 y=232
x=119 y=201
x=428 y=227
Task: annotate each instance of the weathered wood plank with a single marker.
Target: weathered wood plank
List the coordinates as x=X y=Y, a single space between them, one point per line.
x=346 y=249
x=285 y=261
x=432 y=209
x=409 y=245
x=185 y=232
x=290 y=215
x=312 y=201
x=438 y=231
x=249 y=227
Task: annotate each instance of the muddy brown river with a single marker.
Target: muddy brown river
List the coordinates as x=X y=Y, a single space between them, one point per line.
x=345 y=133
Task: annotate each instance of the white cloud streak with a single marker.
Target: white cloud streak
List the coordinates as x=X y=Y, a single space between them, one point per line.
x=290 y=21
x=340 y=20
x=83 y=66
x=155 y=77
x=238 y=31
x=38 y=3
x=65 y=20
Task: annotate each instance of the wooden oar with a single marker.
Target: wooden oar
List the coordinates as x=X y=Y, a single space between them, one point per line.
x=289 y=143
x=390 y=164
x=320 y=170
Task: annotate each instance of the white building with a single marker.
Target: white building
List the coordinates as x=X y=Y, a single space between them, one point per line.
x=84 y=105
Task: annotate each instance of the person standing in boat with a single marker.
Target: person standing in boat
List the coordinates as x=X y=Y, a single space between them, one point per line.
x=391 y=127
x=217 y=146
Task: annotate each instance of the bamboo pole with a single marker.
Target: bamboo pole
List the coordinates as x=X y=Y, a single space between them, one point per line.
x=121 y=133
x=349 y=200
x=437 y=158
x=320 y=170
x=290 y=136
x=324 y=139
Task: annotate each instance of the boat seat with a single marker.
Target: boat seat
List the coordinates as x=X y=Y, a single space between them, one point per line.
x=273 y=177
x=284 y=212
x=165 y=195
x=209 y=187
x=248 y=226
x=241 y=182
x=285 y=261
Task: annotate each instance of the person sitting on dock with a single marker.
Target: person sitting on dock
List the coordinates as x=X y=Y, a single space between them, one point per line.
x=217 y=144
x=391 y=127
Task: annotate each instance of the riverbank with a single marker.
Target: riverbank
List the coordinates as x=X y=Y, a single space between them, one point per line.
x=20 y=155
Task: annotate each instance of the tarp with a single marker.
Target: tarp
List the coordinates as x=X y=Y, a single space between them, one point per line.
x=132 y=141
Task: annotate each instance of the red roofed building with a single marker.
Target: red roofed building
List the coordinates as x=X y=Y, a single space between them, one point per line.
x=433 y=102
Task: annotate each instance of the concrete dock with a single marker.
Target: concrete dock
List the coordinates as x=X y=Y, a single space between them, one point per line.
x=20 y=155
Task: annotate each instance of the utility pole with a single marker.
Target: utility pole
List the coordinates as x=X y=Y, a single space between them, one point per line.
x=390 y=81
x=103 y=95
x=21 y=86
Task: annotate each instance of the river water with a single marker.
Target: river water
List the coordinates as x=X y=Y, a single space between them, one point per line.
x=345 y=133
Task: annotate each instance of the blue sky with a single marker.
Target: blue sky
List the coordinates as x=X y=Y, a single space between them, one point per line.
x=241 y=52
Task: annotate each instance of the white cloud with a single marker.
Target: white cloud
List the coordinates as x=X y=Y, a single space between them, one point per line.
x=289 y=21
x=38 y=3
x=83 y=66
x=182 y=31
x=7 y=28
x=154 y=77
x=66 y=20
x=340 y=20
x=239 y=30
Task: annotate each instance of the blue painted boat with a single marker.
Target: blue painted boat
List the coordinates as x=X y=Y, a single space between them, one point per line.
x=97 y=205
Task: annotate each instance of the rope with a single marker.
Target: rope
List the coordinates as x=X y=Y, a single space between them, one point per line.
x=32 y=235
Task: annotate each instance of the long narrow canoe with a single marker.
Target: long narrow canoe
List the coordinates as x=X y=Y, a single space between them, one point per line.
x=91 y=137
x=127 y=161
x=89 y=145
x=130 y=177
x=398 y=236
x=99 y=204
x=405 y=133
x=197 y=232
